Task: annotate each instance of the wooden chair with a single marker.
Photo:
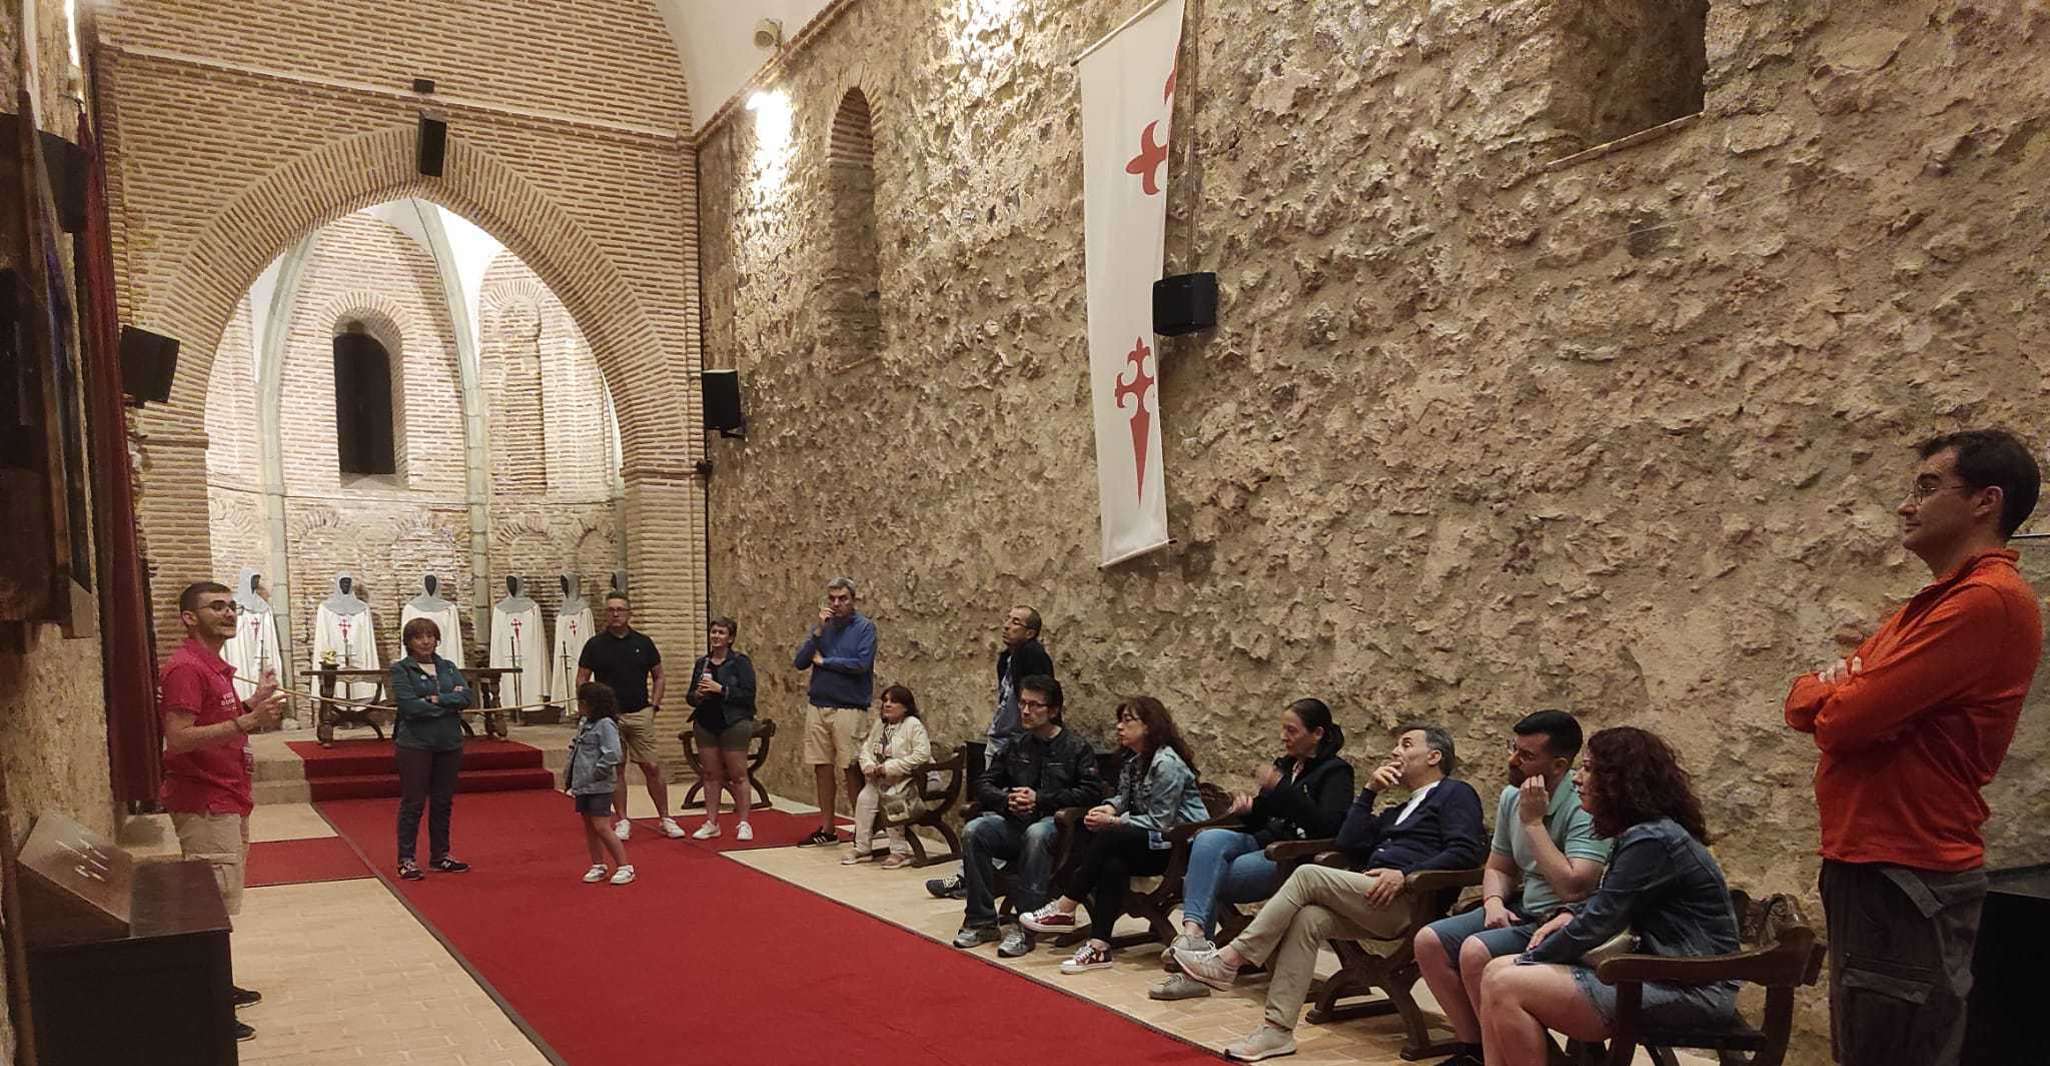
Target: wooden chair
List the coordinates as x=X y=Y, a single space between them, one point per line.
x=938 y=803
x=757 y=754
x=1779 y=951
x=1361 y=971
x=1153 y=899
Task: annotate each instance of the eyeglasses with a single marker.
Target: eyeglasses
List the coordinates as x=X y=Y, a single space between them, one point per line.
x=1922 y=490
x=1034 y=703
x=1521 y=755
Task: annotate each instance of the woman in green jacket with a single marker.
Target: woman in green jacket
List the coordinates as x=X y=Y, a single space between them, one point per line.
x=428 y=734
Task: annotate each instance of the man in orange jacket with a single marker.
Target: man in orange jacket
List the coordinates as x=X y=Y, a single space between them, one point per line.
x=1911 y=727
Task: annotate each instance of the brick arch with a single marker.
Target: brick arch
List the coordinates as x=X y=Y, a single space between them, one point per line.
x=382 y=317
x=202 y=285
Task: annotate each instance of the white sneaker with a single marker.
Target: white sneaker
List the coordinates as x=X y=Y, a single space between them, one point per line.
x=1265 y=1042
x=744 y=832
x=624 y=875
x=670 y=829
x=595 y=874
x=622 y=829
x=708 y=830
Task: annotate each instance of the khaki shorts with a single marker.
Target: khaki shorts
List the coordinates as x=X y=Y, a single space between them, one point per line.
x=637 y=736
x=735 y=737
x=223 y=841
x=829 y=734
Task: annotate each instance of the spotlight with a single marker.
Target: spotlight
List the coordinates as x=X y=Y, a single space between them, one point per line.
x=769 y=33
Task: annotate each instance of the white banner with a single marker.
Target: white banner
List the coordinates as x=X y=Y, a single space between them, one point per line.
x=1127 y=104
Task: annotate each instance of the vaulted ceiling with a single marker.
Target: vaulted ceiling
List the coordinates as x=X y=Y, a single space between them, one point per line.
x=715 y=41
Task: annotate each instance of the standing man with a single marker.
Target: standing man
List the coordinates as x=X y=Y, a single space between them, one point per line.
x=840 y=652
x=626 y=661
x=1022 y=656
x=1910 y=728
x=207 y=764
x=1545 y=855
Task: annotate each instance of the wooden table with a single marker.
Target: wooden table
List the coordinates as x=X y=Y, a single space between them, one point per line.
x=485 y=680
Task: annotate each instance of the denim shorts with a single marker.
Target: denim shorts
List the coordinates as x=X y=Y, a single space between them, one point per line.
x=1454 y=932
x=597 y=804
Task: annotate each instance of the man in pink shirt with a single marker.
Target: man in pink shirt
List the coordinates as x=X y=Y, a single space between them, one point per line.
x=207 y=765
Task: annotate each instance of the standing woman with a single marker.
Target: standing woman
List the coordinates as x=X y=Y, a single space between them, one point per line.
x=1156 y=792
x=722 y=722
x=428 y=734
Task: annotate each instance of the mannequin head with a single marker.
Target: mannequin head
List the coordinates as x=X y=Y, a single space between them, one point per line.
x=430 y=583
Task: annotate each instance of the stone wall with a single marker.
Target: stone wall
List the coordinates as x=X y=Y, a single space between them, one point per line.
x=1472 y=437
x=53 y=725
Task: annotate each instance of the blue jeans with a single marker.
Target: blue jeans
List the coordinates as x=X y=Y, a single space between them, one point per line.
x=1225 y=867
x=1027 y=851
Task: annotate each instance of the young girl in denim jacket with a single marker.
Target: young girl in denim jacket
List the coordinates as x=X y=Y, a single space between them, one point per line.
x=594 y=758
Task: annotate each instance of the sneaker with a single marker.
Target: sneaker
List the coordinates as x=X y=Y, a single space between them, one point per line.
x=975 y=935
x=622 y=829
x=1048 y=919
x=1087 y=957
x=446 y=865
x=1018 y=942
x=1209 y=968
x=1184 y=942
x=1265 y=1042
x=744 y=831
x=595 y=874
x=1178 y=986
x=243 y=997
x=243 y=1032
x=624 y=875
x=854 y=856
x=955 y=887
x=410 y=871
x=706 y=831
x=821 y=838
x=670 y=829
x=895 y=862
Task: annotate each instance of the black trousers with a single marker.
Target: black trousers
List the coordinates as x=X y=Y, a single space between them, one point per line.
x=426 y=777
x=1900 y=961
x=1101 y=865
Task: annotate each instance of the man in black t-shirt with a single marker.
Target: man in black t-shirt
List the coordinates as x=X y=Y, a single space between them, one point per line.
x=625 y=660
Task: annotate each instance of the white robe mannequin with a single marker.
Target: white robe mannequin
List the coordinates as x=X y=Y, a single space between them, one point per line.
x=572 y=629
x=517 y=640
x=254 y=647
x=444 y=614
x=342 y=627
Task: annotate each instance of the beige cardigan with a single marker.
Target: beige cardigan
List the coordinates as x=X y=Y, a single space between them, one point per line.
x=897 y=750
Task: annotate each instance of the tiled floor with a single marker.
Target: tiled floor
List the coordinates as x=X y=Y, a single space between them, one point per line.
x=349 y=976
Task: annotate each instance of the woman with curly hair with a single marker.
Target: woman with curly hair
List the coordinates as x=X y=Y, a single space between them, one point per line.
x=1121 y=839
x=1661 y=883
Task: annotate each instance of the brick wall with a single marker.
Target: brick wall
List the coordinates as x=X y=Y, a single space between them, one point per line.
x=1472 y=437
x=233 y=138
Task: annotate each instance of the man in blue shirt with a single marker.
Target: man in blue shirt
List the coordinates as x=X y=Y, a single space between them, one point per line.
x=840 y=652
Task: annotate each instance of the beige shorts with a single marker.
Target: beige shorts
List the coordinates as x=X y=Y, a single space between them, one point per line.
x=223 y=841
x=829 y=734
x=637 y=736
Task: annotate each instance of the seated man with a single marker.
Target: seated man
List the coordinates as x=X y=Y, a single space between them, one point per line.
x=1045 y=768
x=1439 y=828
x=1545 y=855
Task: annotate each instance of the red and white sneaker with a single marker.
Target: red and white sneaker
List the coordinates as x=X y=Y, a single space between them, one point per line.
x=1048 y=919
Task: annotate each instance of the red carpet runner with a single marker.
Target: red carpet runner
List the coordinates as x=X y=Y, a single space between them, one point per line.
x=354 y=769
x=706 y=961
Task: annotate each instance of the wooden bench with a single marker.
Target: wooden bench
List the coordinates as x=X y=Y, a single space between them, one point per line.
x=757 y=754
x=938 y=804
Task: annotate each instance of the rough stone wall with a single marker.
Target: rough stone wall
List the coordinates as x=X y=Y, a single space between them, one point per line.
x=1471 y=439
x=234 y=135
x=53 y=726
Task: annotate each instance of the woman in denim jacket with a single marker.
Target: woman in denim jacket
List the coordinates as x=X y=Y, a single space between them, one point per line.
x=1661 y=883
x=594 y=758
x=428 y=737
x=1121 y=839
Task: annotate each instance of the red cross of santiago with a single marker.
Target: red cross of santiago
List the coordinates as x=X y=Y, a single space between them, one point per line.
x=1141 y=420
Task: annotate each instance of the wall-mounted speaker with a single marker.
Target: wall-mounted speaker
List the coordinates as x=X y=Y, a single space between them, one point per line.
x=721 y=391
x=433 y=145
x=1184 y=303
x=148 y=363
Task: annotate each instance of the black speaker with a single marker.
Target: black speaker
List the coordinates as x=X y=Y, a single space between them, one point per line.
x=66 y=164
x=1184 y=303
x=721 y=390
x=433 y=144
x=148 y=363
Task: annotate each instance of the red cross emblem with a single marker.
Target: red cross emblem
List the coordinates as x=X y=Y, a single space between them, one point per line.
x=1141 y=420
x=1152 y=156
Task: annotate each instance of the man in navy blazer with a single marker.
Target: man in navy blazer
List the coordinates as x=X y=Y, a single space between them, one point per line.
x=1437 y=827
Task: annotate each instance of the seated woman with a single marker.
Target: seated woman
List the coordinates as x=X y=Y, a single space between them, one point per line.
x=1302 y=796
x=1121 y=839
x=897 y=747
x=1661 y=883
